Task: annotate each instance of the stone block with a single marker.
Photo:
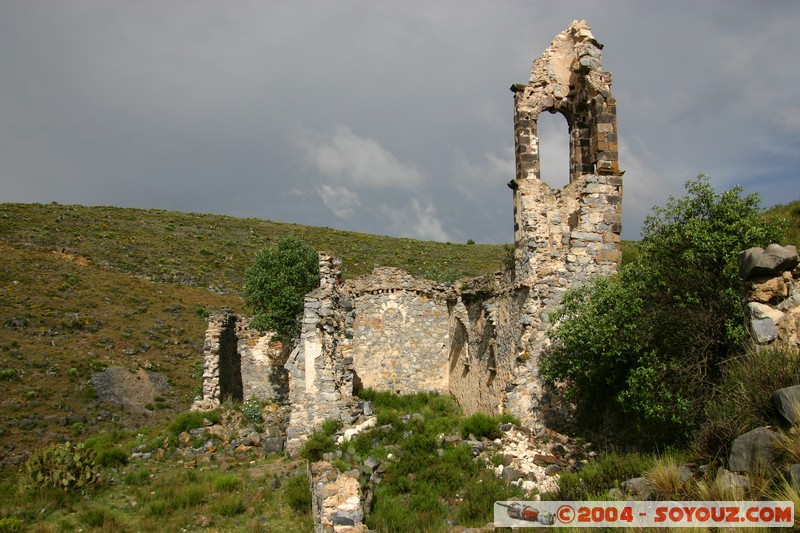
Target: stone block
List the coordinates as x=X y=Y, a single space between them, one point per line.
x=762 y=322
x=787 y=402
x=754 y=451
x=756 y=262
x=730 y=482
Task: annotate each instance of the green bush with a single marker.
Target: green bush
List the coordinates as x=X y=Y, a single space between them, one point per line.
x=227 y=483
x=112 y=457
x=191 y=420
x=477 y=505
x=605 y=472
x=230 y=505
x=99 y=517
x=481 y=426
x=10 y=524
x=277 y=282
x=8 y=374
x=318 y=443
x=640 y=352
x=63 y=466
x=298 y=493
x=743 y=400
x=331 y=426
x=251 y=409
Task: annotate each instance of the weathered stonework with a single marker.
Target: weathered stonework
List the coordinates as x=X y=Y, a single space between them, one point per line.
x=771 y=295
x=400 y=332
x=336 y=499
x=481 y=340
x=240 y=363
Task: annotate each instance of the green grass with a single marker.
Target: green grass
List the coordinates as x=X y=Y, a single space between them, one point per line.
x=214 y=250
x=165 y=495
x=790 y=213
x=429 y=482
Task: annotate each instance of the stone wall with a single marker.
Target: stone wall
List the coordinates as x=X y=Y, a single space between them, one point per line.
x=240 y=363
x=771 y=295
x=400 y=332
x=335 y=498
x=321 y=366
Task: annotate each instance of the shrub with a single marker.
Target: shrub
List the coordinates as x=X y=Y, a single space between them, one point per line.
x=298 y=493
x=318 y=443
x=743 y=399
x=226 y=483
x=112 y=457
x=251 y=409
x=481 y=426
x=98 y=517
x=477 y=505
x=8 y=374
x=640 y=352
x=10 y=524
x=331 y=426
x=230 y=506
x=605 y=472
x=63 y=466
x=277 y=282
x=191 y=420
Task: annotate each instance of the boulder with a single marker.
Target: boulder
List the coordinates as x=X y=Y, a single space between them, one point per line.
x=794 y=475
x=754 y=451
x=766 y=290
x=734 y=483
x=762 y=322
x=776 y=259
x=783 y=400
x=639 y=487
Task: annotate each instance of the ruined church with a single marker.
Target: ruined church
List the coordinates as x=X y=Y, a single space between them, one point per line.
x=479 y=340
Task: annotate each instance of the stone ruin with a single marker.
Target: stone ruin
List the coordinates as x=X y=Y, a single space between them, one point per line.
x=479 y=340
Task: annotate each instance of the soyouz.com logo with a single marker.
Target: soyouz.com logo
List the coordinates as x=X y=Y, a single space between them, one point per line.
x=644 y=514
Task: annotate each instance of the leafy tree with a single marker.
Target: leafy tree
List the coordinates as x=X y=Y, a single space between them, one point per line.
x=276 y=283
x=639 y=352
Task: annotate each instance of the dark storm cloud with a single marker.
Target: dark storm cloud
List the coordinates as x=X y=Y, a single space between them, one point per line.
x=386 y=117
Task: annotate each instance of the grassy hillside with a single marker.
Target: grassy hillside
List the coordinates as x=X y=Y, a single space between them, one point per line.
x=63 y=317
x=84 y=288
x=791 y=214
x=212 y=251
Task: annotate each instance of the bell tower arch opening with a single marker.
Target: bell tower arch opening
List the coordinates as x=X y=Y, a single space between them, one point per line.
x=552 y=130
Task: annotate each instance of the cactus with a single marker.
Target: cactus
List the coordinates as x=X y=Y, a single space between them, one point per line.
x=69 y=467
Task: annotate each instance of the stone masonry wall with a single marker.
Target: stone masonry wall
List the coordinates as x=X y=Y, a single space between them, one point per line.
x=240 y=363
x=562 y=237
x=400 y=333
x=321 y=366
x=262 y=357
x=771 y=295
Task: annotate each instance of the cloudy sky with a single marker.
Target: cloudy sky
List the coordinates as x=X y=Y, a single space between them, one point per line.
x=388 y=117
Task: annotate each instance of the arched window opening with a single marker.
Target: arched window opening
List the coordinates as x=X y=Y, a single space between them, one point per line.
x=553 y=132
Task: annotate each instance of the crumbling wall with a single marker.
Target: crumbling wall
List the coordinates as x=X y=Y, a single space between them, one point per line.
x=240 y=363
x=400 y=332
x=562 y=237
x=263 y=358
x=771 y=295
x=321 y=366
x=565 y=235
x=222 y=377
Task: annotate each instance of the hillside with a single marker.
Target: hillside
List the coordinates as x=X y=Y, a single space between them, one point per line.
x=212 y=251
x=86 y=288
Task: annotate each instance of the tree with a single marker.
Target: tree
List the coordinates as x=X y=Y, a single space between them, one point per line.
x=276 y=283
x=639 y=352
